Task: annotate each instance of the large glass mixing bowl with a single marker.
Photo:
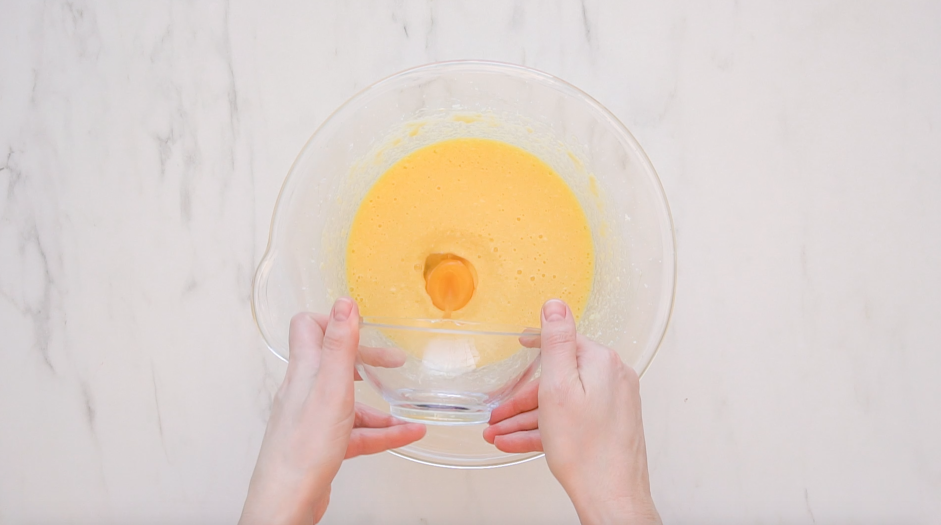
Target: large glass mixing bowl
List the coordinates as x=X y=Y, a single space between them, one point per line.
x=303 y=268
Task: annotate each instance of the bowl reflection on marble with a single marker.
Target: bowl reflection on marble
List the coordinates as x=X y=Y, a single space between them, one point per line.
x=304 y=267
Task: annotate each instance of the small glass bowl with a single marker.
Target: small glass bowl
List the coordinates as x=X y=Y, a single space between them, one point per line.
x=442 y=371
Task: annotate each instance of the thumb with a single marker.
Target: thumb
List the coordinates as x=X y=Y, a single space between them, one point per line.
x=558 y=343
x=338 y=354
x=304 y=341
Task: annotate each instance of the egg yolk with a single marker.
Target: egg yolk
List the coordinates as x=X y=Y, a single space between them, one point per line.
x=449 y=281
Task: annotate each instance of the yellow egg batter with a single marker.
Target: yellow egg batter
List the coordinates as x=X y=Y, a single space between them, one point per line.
x=476 y=226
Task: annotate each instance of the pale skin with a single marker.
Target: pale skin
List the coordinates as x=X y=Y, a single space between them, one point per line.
x=584 y=413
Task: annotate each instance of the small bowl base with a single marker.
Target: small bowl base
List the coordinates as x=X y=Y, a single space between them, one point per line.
x=440 y=414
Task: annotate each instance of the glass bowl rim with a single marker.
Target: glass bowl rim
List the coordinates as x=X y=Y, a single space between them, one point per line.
x=461 y=327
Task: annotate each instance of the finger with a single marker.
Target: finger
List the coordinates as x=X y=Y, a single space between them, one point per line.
x=340 y=342
x=305 y=337
x=520 y=442
x=518 y=423
x=382 y=357
x=525 y=400
x=368 y=417
x=530 y=338
x=322 y=320
x=559 y=365
x=374 y=440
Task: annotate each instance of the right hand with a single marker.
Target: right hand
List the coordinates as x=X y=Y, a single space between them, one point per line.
x=585 y=414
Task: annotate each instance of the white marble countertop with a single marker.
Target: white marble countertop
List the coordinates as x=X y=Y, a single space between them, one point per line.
x=142 y=146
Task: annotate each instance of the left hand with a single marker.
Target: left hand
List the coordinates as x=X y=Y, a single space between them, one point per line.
x=315 y=423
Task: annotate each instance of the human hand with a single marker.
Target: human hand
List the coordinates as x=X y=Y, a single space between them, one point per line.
x=585 y=414
x=315 y=423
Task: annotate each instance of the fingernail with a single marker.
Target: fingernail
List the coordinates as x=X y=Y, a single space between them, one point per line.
x=554 y=310
x=342 y=309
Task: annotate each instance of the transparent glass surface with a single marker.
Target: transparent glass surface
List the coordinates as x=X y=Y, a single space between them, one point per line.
x=440 y=371
x=303 y=268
